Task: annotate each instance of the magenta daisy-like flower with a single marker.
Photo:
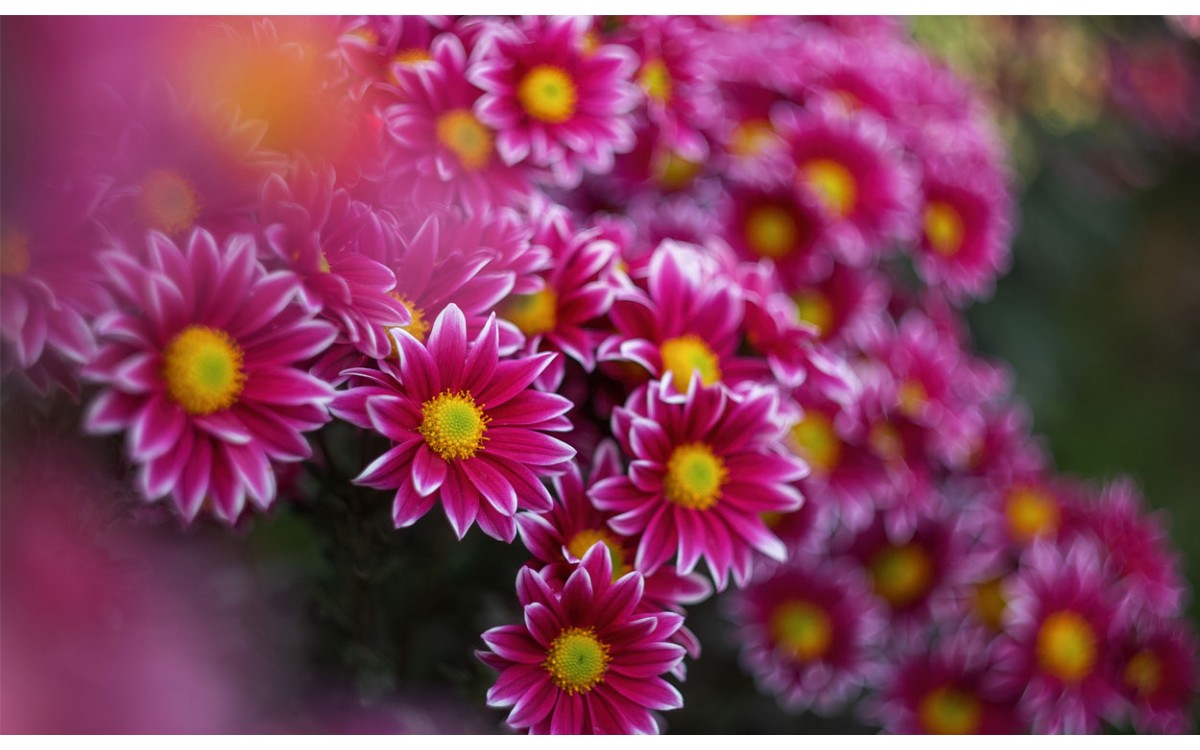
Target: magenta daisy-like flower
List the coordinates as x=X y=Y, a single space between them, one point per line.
x=465 y=425
x=442 y=153
x=587 y=660
x=332 y=243
x=809 y=631
x=854 y=170
x=965 y=229
x=1156 y=673
x=941 y=690
x=1057 y=649
x=554 y=100
x=562 y=315
x=845 y=307
x=206 y=391
x=703 y=472
x=781 y=225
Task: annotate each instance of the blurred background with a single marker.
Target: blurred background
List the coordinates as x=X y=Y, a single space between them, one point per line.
x=259 y=630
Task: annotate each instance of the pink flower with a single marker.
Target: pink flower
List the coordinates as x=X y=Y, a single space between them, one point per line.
x=1156 y=673
x=587 y=660
x=809 y=631
x=554 y=101
x=1057 y=648
x=207 y=391
x=441 y=153
x=465 y=427
x=704 y=469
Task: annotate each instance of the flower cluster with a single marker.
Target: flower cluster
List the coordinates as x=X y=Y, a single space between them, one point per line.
x=637 y=290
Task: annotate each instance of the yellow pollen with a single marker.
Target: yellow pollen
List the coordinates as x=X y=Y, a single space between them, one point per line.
x=323 y=263
x=911 y=396
x=1031 y=512
x=202 y=369
x=990 y=603
x=1066 y=646
x=885 y=440
x=902 y=574
x=771 y=232
x=577 y=660
x=453 y=425
x=412 y=55
x=685 y=354
x=417 y=326
x=695 y=476
x=533 y=313
x=833 y=184
x=816 y=309
x=948 y=710
x=801 y=629
x=1143 y=672
x=675 y=172
x=167 y=202
x=14 y=252
x=548 y=94
x=751 y=138
x=943 y=228
x=817 y=442
x=459 y=131
x=579 y=544
x=656 y=80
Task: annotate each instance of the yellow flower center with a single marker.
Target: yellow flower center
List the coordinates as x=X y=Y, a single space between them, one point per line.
x=1031 y=512
x=771 y=232
x=990 y=603
x=676 y=172
x=656 y=80
x=412 y=55
x=885 y=440
x=685 y=354
x=816 y=309
x=1143 y=673
x=751 y=138
x=532 y=313
x=459 y=131
x=1066 y=646
x=202 y=368
x=695 y=476
x=912 y=396
x=833 y=184
x=577 y=660
x=943 y=228
x=583 y=541
x=14 y=252
x=948 y=710
x=548 y=94
x=167 y=202
x=453 y=425
x=902 y=574
x=817 y=442
x=366 y=34
x=418 y=326
x=801 y=629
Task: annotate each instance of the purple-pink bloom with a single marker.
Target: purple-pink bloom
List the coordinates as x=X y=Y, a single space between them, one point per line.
x=587 y=660
x=465 y=427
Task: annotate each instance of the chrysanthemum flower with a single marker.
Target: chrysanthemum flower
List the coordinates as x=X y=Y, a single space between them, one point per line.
x=586 y=661
x=854 y=170
x=554 y=101
x=443 y=154
x=779 y=224
x=206 y=391
x=562 y=315
x=1031 y=507
x=1156 y=673
x=1057 y=645
x=50 y=282
x=704 y=471
x=809 y=631
x=374 y=46
x=563 y=536
x=965 y=229
x=332 y=243
x=941 y=690
x=845 y=307
x=466 y=427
